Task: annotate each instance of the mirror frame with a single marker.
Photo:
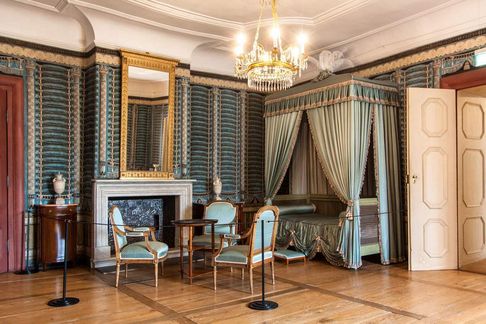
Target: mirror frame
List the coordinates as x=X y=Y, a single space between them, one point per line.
x=153 y=63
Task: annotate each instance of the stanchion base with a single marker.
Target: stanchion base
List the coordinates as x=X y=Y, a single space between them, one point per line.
x=263 y=305
x=61 y=302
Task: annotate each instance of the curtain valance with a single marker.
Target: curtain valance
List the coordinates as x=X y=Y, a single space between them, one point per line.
x=328 y=92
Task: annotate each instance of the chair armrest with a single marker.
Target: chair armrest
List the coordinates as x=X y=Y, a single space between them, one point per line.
x=245 y=235
x=134 y=234
x=141 y=229
x=230 y=236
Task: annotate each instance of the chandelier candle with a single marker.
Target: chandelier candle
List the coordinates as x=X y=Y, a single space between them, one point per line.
x=270 y=70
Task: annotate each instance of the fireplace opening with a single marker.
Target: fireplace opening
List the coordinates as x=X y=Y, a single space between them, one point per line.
x=157 y=211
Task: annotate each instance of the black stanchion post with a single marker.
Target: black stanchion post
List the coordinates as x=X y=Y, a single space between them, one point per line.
x=27 y=247
x=64 y=301
x=263 y=304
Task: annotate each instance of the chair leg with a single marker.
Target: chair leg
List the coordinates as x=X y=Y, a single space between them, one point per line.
x=126 y=270
x=162 y=268
x=242 y=273
x=117 y=274
x=156 y=274
x=251 y=280
x=272 y=267
x=231 y=269
x=214 y=277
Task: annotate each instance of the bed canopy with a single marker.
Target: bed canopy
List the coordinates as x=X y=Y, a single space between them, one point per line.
x=342 y=111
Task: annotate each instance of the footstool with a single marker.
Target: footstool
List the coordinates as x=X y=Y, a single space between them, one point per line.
x=289 y=255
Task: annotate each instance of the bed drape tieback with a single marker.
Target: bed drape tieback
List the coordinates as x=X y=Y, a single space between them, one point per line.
x=349 y=210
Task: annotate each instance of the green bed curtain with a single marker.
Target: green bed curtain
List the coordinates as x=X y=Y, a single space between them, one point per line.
x=387 y=168
x=341 y=135
x=280 y=137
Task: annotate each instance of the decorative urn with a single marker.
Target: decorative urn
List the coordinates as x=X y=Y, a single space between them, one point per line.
x=59 y=184
x=217 y=187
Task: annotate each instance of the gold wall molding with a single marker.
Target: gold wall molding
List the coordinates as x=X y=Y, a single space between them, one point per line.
x=147 y=102
x=58 y=58
x=219 y=83
x=424 y=56
x=182 y=72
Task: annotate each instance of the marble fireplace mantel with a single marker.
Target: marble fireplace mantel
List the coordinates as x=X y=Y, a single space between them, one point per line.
x=103 y=190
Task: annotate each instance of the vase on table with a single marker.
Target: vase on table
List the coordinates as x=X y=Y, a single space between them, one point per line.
x=59 y=184
x=217 y=188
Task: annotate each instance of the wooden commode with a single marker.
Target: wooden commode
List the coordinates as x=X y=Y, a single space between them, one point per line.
x=52 y=232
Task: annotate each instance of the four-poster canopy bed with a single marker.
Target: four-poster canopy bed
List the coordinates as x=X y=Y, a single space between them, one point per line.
x=343 y=112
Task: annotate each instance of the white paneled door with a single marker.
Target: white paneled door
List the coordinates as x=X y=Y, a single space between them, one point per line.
x=471 y=149
x=432 y=173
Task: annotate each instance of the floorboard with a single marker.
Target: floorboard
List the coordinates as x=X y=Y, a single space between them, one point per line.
x=312 y=293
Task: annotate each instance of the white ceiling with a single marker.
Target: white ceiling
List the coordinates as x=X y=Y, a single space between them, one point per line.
x=201 y=32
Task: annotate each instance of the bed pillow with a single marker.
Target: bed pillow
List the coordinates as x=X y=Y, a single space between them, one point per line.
x=297 y=209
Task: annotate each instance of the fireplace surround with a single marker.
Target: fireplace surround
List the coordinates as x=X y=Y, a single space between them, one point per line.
x=103 y=190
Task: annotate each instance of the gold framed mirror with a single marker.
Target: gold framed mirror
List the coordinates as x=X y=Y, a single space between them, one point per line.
x=147 y=116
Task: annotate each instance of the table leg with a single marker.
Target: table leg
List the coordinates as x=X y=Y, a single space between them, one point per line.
x=181 y=248
x=189 y=250
x=212 y=243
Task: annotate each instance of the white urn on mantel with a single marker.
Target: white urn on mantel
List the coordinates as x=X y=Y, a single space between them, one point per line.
x=217 y=188
x=59 y=184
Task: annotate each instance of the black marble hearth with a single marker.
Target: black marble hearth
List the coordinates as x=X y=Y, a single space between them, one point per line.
x=146 y=211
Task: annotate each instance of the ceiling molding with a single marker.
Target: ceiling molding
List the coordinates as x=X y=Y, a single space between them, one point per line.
x=342 y=9
x=186 y=14
x=38 y=5
x=385 y=27
x=192 y=16
x=149 y=22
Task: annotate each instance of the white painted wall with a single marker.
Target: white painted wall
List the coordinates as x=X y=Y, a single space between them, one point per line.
x=116 y=32
x=24 y=22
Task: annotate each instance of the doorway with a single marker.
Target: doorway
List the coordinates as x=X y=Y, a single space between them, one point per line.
x=471 y=153
x=11 y=173
x=447 y=174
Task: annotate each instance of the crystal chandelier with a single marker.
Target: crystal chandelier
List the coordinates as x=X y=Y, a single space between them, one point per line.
x=274 y=69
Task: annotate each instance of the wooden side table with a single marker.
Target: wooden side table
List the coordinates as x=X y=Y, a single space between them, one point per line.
x=191 y=224
x=52 y=234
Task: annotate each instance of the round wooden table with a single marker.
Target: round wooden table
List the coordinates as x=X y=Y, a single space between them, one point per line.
x=191 y=224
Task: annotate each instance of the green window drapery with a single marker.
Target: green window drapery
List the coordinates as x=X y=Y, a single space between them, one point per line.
x=280 y=137
x=341 y=134
x=387 y=168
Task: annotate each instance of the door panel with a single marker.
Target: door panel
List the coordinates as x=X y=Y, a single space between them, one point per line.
x=471 y=149
x=433 y=179
x=3 y=182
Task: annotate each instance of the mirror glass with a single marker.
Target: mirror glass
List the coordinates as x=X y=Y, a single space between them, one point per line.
x=147 y=122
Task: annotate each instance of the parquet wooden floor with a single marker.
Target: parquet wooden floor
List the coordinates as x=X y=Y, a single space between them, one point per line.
x=312 y=293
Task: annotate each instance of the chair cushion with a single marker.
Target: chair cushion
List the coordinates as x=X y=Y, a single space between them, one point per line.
x=205 y=240
x=239 y=254
x=234 y=254
x=139 y=250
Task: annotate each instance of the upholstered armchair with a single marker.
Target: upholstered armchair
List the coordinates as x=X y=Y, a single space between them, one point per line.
x=147 y=251
x=225 y=213
x=251 y=255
